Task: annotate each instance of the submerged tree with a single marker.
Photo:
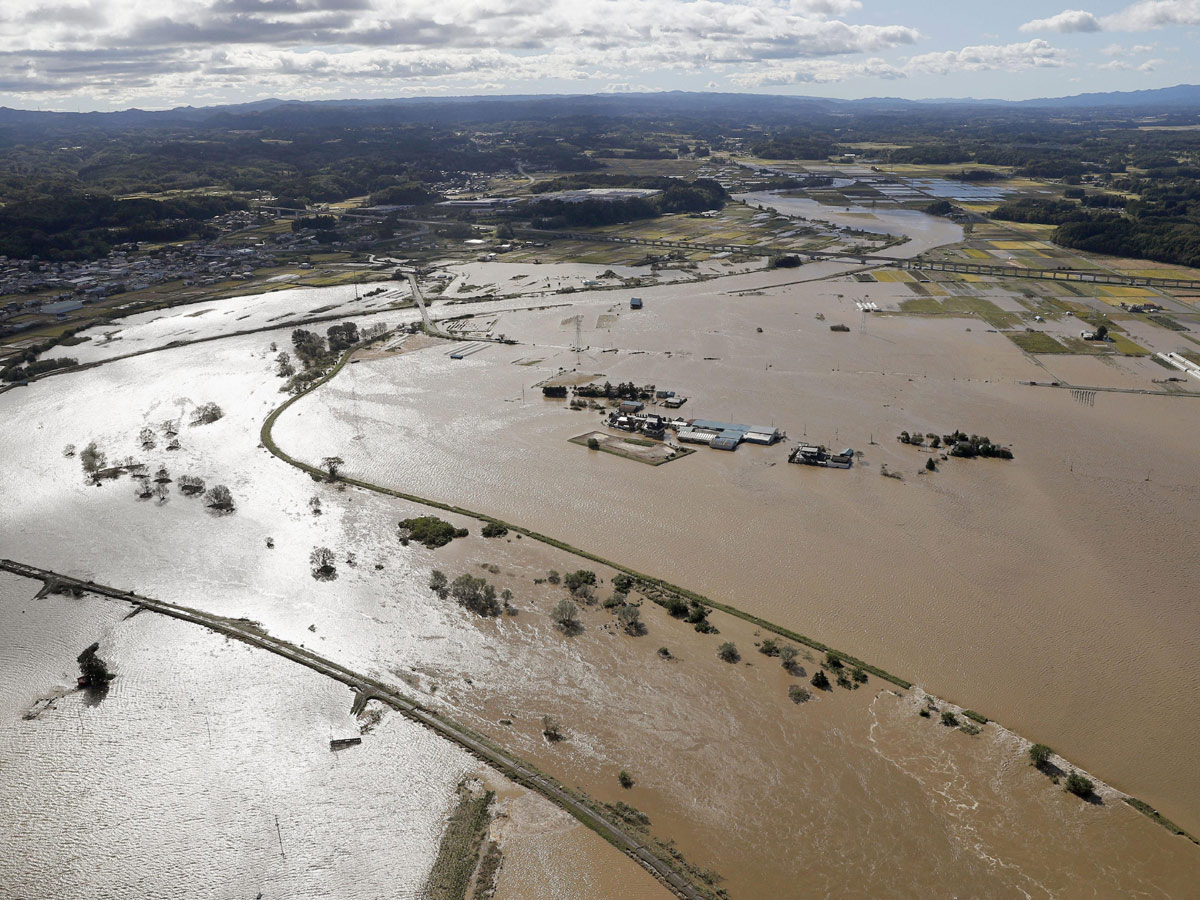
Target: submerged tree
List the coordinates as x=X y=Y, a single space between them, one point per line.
x=331 y=465
x=787 y=656
x=323 y=566
x=283 y=365
x=566 y=615
x=579 y=579
x=630 y=618
x=552 y=731
x=92 y=458
x=728 y=651
x=191 y=485
x=219 y=498
x=475 y=594
x=438 y=583
x=92 y=668
x=342 y=337
x=206 y=414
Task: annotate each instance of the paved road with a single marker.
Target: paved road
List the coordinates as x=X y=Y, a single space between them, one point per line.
x=369 y=689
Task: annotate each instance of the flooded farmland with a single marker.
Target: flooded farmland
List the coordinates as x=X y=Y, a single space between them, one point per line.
x=977 y=582
x=979 y=576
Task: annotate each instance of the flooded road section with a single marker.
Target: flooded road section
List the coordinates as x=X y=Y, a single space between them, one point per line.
x=846 y=795
x=204 y=764
x=1028 y=589
x=144 y=755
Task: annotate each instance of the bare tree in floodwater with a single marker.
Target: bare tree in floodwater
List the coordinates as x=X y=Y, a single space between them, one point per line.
x=323 y=566
x=331 y=465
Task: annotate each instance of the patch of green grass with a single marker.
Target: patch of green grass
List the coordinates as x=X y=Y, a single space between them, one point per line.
x=458 y=854
x=1078 y=345
x=1126 y=346
x=1150 y=812
x=962 y=305
x=1167 y=322
x=1035 y=342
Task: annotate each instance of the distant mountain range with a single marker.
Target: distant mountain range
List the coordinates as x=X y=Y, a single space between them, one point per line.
x=448 y=110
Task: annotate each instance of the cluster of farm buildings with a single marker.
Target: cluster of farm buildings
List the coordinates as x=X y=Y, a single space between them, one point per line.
x=718 y=435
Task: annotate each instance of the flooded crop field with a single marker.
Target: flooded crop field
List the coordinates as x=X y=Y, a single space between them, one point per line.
x=1050 y=592
x=1031 y=548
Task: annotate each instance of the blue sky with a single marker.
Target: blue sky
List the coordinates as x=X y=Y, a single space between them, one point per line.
x=106 y=54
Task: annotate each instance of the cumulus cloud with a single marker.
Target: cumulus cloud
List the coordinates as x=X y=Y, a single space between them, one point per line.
x=180 y=46
x=1121 y=65
x=1148 y=14
x=1069 y=20
x=819 y=72
x=1143 y=15
x=1134 y=50
x=1036 y=54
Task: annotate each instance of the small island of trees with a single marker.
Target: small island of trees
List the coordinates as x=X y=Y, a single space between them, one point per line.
x=430 y=531
x=959 y=444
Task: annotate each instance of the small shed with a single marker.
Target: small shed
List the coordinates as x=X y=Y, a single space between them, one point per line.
x=632 y=406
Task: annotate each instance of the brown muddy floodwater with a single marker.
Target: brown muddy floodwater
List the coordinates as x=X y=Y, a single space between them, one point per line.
x=1054 y=593
x=1029 y=590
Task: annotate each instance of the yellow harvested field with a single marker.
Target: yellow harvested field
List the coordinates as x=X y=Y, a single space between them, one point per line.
x=1125 y=292
x=889 y=275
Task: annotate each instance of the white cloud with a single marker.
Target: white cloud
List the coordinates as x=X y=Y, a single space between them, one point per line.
x=817 y=72
x=1135 y=50
x=1147 y=14
x=1069 y=20
x=178 y=47
x=1120 y=65
x=1036 y=54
